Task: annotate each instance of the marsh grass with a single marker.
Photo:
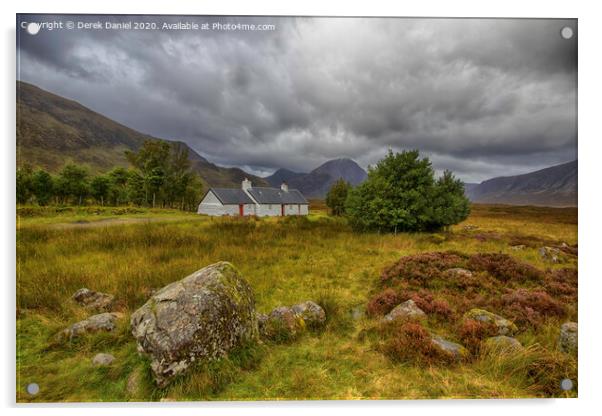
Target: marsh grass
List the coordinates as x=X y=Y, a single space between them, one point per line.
x=286 y=261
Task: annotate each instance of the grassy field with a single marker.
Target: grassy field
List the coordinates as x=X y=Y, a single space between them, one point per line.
x=130 y=253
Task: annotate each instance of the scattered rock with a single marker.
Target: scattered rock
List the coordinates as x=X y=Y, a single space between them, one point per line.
x=470 y=227
x=502 y=344
x=357 y=313
x=311 y=312
x=455 y=352
x=101 y=322
x=282 y=324
x=103 y=360
x=518 y=247
x=458 y=272
x=567 y=341
x=504 y=326
x=287 y=322
x=92 y=300
x=201 y=317
x=551 y=254
x=407 y=309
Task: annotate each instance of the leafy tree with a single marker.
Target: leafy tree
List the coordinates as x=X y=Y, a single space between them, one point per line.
x=135 y=188
x=337 y=195
x=193 y=193
x=24 y=184
x=73 y=182
x=401 y=194
x=118 y=192
x=451 y=206
x=100 y=188
x=152 y=161
x=42 y=185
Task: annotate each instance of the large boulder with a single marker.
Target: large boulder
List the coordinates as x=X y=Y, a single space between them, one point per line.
x=101 y=322
x=407 y=309
x=504 y=326
x=567 y=341
x=201 y=317
x=285 y=322
x=92 y=300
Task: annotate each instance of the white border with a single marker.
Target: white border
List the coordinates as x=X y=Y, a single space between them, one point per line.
x=590 y=232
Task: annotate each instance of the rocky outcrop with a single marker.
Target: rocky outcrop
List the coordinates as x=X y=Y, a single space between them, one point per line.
x=92 y=300
x=201 y=317
x=568 y=339
x=504 y=326
x=407 y=309
x=101 y=322
x=285 y=323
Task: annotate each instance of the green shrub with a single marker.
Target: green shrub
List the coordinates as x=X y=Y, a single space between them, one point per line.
x=401 y=194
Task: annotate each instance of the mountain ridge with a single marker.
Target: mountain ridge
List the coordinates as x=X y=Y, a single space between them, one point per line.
x=53 y=130
x=552 y=186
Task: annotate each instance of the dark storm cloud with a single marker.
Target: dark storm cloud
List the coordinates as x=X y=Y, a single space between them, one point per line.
x=480 y=97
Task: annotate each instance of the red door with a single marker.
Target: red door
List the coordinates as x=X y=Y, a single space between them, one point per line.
x=282 y=210
x=241 y=210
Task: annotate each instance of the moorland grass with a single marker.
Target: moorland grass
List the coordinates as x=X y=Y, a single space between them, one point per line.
x=285 y=261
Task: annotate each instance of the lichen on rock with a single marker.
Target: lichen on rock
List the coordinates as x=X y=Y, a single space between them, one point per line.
x=504 y=326
x=201 y=317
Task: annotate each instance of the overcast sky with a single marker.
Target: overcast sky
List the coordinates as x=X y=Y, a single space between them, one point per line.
x=483 y=98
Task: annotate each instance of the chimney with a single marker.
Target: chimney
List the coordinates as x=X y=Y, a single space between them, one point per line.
x=246 y=184
x=284 y=187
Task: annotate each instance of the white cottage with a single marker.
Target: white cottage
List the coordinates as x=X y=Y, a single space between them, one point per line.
x=249 y=200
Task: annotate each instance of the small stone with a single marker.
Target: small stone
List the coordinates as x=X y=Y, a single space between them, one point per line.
x=450 y=349
x=101 y=322
x=470 y=227
x=288 y=322
x=551 y=254
x=311 y=312
x=458 y=272
x=518 y=247
x=133 y=383
x=357 y=313
x=92 y=300
x=504 y=326
x=503 y=344
x=407 y=309
x=568 y=339
x=103 y=360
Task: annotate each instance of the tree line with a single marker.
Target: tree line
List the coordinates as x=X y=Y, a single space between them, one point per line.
x=400 y=194
x=160 y=176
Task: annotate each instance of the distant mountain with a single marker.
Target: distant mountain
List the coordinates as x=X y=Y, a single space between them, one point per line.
x=555 y=186
x=52 y=130
x=281 y=175
x=316 y=183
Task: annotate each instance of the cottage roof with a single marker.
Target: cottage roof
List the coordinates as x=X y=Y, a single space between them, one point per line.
x=231 y=196
x=277 y=196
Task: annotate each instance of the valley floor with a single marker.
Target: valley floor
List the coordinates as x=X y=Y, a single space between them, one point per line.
x=286 y=261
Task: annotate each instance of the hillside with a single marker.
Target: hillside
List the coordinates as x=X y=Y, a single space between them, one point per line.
x=52 y=130
x=555 y=186
x=317 y=182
